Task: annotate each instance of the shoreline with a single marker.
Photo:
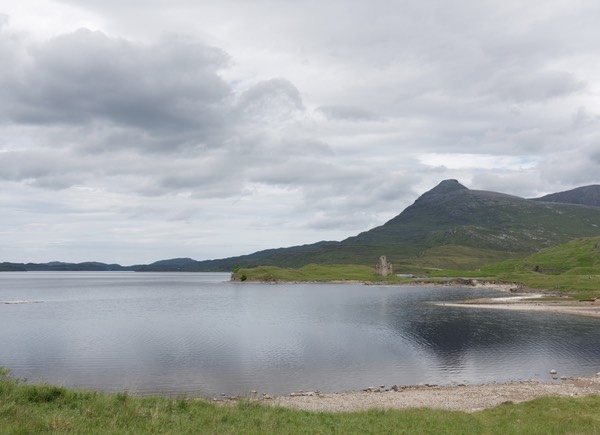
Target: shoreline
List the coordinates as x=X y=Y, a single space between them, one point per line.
x=466 y=398
x=569 y=308
x=524 y=298
x=531 y=300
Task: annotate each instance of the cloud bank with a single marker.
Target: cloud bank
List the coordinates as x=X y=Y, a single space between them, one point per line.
x=132 y=133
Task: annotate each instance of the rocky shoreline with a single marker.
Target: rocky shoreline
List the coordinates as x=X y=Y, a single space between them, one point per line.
x=467 y=398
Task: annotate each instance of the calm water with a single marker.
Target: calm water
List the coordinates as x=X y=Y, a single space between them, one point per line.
x=199 y=334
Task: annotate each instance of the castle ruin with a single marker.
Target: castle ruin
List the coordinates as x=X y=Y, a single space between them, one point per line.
x=383 y=268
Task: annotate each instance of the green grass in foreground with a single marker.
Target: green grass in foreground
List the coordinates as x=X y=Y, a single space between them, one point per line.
x=40 y=409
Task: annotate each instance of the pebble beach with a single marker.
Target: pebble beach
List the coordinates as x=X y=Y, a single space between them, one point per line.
x=467 y=398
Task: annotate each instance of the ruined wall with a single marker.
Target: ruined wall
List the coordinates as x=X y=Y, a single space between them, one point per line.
x=383 y=268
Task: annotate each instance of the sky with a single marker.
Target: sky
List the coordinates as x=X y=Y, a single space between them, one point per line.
x=137 y=131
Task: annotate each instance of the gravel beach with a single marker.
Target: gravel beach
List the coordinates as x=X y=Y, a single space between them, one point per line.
x=468 y=398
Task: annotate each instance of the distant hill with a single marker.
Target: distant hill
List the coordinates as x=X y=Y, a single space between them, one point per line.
x=89 y=266
x=450 y=226
x=480 y=226
x=172 y=265
x=587 y=195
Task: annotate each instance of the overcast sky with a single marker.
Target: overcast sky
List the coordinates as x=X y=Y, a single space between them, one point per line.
x=140 y=130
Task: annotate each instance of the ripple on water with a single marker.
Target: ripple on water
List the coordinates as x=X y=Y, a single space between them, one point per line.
x=178 y=334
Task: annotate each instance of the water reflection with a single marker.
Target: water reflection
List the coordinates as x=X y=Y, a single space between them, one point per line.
x=196 y=334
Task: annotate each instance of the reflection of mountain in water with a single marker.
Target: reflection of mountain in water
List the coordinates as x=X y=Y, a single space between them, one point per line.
x=457 y=337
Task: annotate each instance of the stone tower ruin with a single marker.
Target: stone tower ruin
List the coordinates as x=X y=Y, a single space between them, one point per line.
x=383 y=268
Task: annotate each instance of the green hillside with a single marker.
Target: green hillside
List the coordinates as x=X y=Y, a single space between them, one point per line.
x=572 y=268
x=448 y=227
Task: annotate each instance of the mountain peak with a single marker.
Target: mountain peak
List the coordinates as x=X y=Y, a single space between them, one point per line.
x=446 y=187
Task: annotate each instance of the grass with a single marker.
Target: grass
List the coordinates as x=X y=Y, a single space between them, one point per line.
x=572 y=269
x=47 y=409
x=314 y=273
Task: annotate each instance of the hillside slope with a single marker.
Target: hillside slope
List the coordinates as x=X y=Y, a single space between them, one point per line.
x=490 y=223
x=586 y=195
x=452 y=214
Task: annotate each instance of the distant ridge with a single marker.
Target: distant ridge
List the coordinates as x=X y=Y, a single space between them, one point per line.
x=586 y=195
x=449 y=226
x=480 y=224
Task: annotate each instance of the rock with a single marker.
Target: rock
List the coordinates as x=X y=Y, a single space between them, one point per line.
x=553 y=372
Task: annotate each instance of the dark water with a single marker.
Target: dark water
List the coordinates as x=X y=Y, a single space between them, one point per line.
x=198 y=334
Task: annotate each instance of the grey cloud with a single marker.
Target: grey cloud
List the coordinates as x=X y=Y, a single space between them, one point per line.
x=582 y=118
x=347 y=113
x=573 y=166
x=87 y=76
x=595 y=154
x=175 y=125
x=274 y=99
x=523 y=85
x=43 y=168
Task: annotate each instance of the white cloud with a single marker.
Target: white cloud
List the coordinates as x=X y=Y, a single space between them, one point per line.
x=479 y=161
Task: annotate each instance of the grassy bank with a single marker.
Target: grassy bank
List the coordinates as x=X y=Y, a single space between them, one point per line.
x=572 y=269
x=314 y=273
x=38 y=409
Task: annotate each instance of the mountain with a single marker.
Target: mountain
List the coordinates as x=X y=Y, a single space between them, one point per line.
x=482 y=226
x=452 y=214
x=450 y=226
x=587 y=195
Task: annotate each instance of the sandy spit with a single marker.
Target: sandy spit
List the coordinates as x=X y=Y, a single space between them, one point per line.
x=547 y=307
x=468 y=398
